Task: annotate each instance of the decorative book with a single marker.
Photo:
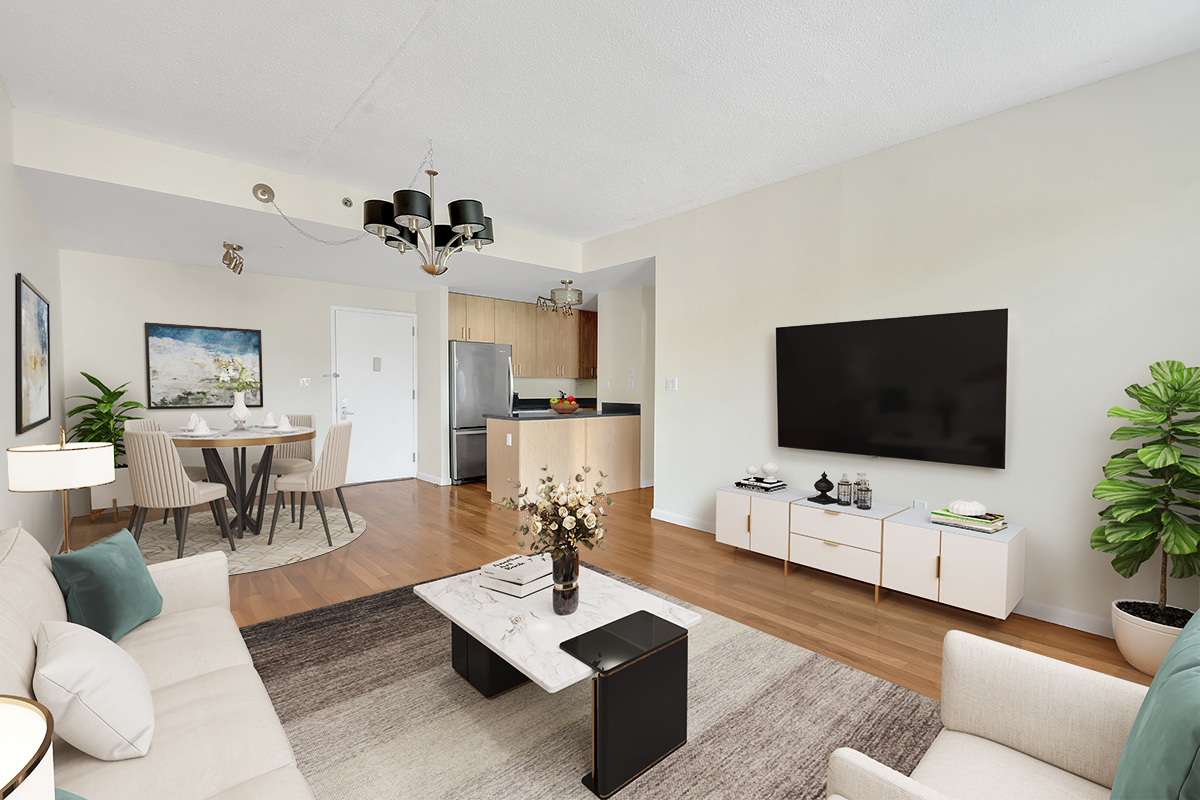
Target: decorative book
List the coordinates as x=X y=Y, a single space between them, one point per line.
x=518 y=569
x=984 y=523
x=760 y=485
x=517 y=589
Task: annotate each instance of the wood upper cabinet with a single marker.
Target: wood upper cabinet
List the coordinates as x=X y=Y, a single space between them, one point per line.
x=570 y=345
x=516 y=325
x=549 y=344
x=472 y=319
x=588 y=335
x=506 y=323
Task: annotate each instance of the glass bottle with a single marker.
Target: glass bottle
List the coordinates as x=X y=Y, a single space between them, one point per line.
x=845 y=491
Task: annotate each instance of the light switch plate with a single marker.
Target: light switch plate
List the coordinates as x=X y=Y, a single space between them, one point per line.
x=631 y=372
x=630 y=387
x=305 y=383
x=672 y=384
x=605 y=385
x=508 y=439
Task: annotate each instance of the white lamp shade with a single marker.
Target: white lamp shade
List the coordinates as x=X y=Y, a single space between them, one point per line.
x=51 y=467
x=26 y=758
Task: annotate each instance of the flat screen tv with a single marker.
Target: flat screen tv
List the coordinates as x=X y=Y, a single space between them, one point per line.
x=929 y=388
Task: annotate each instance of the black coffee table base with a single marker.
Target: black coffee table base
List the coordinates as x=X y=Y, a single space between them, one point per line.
x=483 y=669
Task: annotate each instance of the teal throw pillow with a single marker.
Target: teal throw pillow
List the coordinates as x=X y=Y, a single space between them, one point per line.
x=107 y=586
x=1161 y=757
x=63 y=794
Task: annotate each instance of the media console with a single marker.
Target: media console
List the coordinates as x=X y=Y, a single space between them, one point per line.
x=889 y=547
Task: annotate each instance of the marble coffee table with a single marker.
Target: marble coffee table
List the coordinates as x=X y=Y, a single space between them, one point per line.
x=520 y=637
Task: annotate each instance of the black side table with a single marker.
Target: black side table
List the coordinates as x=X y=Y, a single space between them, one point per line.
x=639 y=697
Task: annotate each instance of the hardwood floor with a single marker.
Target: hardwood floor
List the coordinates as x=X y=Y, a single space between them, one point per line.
x=418 y=532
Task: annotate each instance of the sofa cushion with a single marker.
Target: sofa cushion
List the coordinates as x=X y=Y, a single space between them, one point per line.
x=962 y=765
x=1161 y=758
x=29 y=595
x=213 y=733
x=177 y=647
x=107 y=586
x=96 y=691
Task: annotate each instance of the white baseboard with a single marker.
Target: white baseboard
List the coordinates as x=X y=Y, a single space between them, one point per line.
x=1101 y=626
x=687 y=522
x=647 y=484
x=434 y=479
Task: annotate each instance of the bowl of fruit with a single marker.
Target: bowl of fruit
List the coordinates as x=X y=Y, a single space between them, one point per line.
x=564 y=405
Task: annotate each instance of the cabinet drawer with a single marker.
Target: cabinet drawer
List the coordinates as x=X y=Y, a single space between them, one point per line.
x=861 y=532
x=862 y=565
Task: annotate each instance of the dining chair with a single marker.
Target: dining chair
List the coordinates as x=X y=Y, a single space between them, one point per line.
x=145 y=424
x=290 y=458
x=159 y=480
x=329 y=473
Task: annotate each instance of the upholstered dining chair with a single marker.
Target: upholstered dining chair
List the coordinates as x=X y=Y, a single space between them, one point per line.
x=291 y=458
x=330 y=473
x=194 y=473
x=159 y=480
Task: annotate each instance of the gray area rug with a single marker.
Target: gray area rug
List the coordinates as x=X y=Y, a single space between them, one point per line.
x=373 y=709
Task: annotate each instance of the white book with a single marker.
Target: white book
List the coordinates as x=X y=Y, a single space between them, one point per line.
x=516 y=589
x=519 y=569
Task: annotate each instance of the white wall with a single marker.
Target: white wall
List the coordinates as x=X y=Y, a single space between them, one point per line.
x=1079 y=213
x=545 y=388
x=107 y=300
x=433 y=381
x=625 y=341
x=26 y=247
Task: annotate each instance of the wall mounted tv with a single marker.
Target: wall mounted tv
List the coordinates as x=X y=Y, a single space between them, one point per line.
x=929 y=388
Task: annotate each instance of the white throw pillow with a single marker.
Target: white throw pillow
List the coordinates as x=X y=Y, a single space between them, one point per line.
x=98 y=694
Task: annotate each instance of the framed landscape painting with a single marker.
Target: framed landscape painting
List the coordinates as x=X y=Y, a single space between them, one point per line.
x=184 y=362
x=33 y=356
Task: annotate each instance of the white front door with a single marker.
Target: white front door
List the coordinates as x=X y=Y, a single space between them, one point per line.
x=374 y=366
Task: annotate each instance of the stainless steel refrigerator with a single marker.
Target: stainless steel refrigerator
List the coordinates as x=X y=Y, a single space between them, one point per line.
x=481 y=382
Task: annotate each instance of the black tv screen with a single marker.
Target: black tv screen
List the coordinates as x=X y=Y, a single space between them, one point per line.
x=929 y=388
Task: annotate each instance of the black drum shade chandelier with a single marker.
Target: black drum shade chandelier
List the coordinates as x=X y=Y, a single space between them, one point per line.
x=402 y=224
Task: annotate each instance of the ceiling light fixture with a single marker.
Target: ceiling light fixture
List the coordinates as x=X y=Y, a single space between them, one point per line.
x=401 y=224
x=561 y=300
x=231 y=258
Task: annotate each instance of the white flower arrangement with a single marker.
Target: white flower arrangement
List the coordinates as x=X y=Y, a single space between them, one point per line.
x=562 y=516
x=240 y=381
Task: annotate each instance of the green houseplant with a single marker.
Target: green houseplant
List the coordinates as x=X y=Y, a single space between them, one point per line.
x=1151 y=491
x=102 y=419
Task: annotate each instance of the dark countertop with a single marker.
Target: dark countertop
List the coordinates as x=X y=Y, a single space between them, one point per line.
x=582 y=413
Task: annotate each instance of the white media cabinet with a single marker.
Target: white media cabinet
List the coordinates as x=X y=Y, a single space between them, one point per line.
x=889 y=547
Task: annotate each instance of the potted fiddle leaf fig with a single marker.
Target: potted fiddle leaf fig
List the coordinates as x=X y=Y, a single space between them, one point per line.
x=102 y=419
x=1151 y=490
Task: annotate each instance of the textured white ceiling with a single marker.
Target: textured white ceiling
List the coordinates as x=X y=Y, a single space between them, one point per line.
x=567 y=118
x=125 y=221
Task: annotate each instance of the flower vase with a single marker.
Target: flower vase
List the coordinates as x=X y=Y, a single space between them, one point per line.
x=239 y=413
x=566 y=582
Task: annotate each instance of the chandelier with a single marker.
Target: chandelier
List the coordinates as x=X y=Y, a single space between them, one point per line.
x=561 y=300
x=402 y=223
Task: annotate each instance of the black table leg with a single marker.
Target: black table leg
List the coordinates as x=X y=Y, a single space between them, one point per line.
x=639 y=717
x=483 y=669
x=263 y=475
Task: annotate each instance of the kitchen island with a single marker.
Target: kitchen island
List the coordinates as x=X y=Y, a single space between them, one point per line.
x=520 y=444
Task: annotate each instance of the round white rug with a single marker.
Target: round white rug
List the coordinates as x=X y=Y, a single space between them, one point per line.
x=158 y=542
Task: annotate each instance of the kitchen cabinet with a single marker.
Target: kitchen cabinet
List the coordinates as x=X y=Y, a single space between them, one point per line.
x=588 y=335
x=557 y=345
x=472 y=319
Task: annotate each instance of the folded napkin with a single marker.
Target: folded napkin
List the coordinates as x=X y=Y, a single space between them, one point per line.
x=284 y=423
x=192 y=420
x=201 y=427
x=270 y=420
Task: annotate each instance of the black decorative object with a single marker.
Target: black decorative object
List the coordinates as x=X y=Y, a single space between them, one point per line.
x=824 y=486
x=863 y=500
x=566 y=582
x=845 y=491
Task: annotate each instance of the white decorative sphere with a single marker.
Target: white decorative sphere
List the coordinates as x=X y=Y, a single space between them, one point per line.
x=770 y=468
x=751 y=470
x=968 y=508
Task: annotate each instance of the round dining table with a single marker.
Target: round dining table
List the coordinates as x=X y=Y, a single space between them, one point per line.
x=241 y=490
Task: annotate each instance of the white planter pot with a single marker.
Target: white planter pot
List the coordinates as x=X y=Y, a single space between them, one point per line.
x=1143 y=643
x=119 y=490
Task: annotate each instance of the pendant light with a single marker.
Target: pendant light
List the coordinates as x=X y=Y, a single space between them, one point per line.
x=561 y=299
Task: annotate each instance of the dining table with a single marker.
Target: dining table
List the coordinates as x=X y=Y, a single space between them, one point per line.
x=242 y=490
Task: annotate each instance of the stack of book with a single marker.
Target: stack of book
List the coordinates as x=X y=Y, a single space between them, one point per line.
x=756 y=484
x=984 y=523
x=519 y=576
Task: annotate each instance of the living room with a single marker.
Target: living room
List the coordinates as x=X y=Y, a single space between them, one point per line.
x=1057 y=180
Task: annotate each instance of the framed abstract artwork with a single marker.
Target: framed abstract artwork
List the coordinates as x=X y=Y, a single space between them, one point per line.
x=184 y=365
x=33 y=356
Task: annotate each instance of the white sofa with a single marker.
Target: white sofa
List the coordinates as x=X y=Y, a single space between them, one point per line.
x=1017 y=725
x=216 y=733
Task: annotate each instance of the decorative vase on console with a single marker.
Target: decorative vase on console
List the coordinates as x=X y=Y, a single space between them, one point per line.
x=559 y=518
x=566 y=581
x=239 y=413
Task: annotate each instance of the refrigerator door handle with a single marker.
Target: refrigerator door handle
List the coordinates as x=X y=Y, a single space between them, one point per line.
x=510 y=386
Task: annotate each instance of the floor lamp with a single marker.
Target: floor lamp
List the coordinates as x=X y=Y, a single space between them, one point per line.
x=26 y=758
x=60 y=467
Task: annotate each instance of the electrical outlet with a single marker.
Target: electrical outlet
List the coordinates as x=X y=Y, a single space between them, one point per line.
x=920 y=505
x=631 y=372
x=508 y=439
x=305 y=383
x=630 y=387
x=672 y=384
x=578 y=384
x=605 y=385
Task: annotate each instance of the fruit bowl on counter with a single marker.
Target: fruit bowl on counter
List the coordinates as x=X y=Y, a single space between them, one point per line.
x=565 y=405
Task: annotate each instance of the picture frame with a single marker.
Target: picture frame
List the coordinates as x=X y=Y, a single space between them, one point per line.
x=32 y=356
x=183 y=362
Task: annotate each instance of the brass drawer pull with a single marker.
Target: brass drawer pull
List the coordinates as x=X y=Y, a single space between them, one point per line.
x=827 y=511
x=831 y=544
